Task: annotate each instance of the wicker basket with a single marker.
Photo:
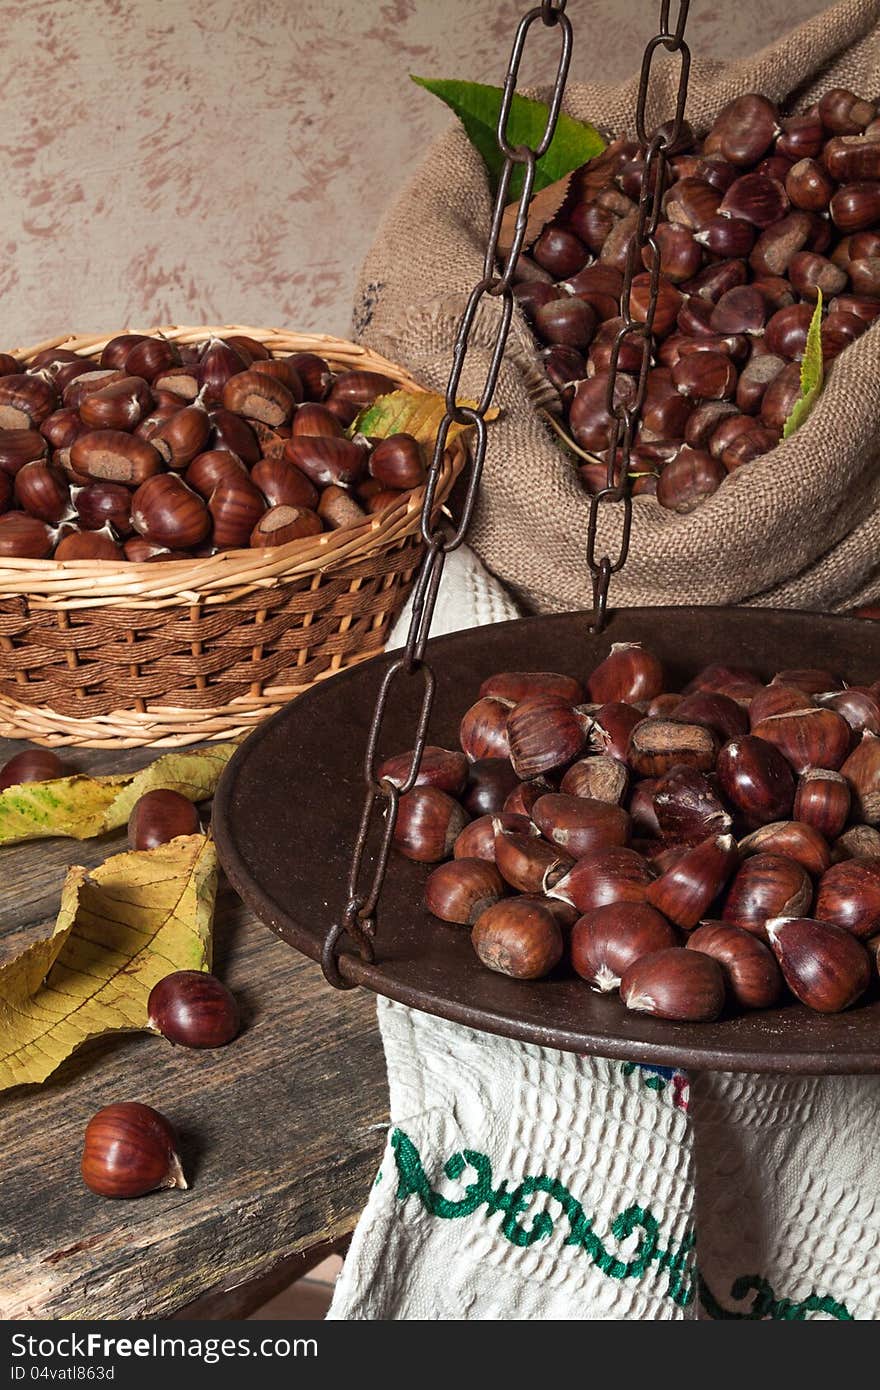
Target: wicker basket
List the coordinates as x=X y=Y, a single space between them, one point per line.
x=118 y=655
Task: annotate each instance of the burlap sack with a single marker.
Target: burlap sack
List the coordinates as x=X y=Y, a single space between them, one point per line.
x=797 y=528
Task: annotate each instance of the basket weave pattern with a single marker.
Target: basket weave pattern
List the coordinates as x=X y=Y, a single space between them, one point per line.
x=107 y=655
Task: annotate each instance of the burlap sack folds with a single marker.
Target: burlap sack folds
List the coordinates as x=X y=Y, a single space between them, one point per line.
x=799 y=527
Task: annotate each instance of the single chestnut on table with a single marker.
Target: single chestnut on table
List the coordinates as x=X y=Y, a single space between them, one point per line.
x=31 y=765
x=194 y=1009
x=160 y=816
x=130 y=1149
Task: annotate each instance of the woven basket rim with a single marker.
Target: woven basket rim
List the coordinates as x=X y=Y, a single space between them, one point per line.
x=77 y=584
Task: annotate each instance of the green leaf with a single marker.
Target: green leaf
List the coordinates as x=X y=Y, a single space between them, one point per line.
x=410 y=412
x=812 y=373
x=120 y=929
x=80 y=807
x=478 y=107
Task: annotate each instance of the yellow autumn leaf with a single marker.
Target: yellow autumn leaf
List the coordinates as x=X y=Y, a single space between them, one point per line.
x=410 y=412
x=121 y=928
x=79 y=807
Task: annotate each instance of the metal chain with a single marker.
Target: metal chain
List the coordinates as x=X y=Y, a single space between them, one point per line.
x=382 y=798
x=627 y=413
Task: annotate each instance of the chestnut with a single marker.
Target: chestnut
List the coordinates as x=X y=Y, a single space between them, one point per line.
x=754 y=379
x=726 y=236
x=765 y=886
x=854 y=208
x=483 y=729
x=462 y=889
x=566 y=322
x=751 y=444
x=756 y=778
x=858 y=842
x=688 y=808
x=24 y=537
x=629 y=673
x=862 y=772
x=182 y=383
x=751 y=974
x=849 y=896
x=258 y=397
x=524 y=795
x=810 y=273
x=113 y=456
x=42 y=491
x=605 y=942
x=281 y=525
x=714 y=280
x=398 y=462
x=194 y=1009
x=776 y=246
x=822 y=800
x=744 y=129
x=327 y=461
x=478 y=839
x=130 y=1149
x=353 y=391
x=149 y=357
x=119 y=406
x=564 y=366
x=159 y=816
x=843 y=113
x=685 y=891
x=809 y=186
x=314 y=372
x=182 y=437
x=89 y=545
x=824 y=966
x=588 y=418
x=31 y=765
x=704 y=420
x=519 y=938
x=692 y=203
x=220 y=362
x=740 y=310
x=780 y=396
x=25 y=401
x=513 y=686
x=808 y=737
x=802 y=136
x=428 y=824
x=676 y=984
x=18 y=447
x=490 y=782
x=544 y=733
x=580 y=825
x=439 y=767
x=235 y=435
x=600 y=777
x=528 y=863
x=560 y=252
x=314 y=421
x=689 y=480
x=279 y=369
x=100 y=504
x=164 y=510
x=657 y=745
x=235 y=506
x=207 y=470
x=793 y=840
x=609 y=876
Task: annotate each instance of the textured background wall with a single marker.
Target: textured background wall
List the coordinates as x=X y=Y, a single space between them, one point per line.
x=167 y=161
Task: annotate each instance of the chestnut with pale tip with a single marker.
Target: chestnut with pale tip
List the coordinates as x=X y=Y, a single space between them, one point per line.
x=825 y=967
x=862 y=773
x=545 y=733
x=160 y=816
x=676 y=984
x=793 y=840
x=428 y=824
x=751 y=973
x=686 y=890
x=756 y=779
x=483 y=729
x=479 y=838
x=765 y=886
x=605 y=943
x=164 y=510
x=130 y=1149
x=688 y=807
x=518 y=937
x=611 y=876
x=514 y=686
x=528 y=863
x=193 y=1009
x=807 y=738
x=580 y=825
x=31 y=765
x=849 y=896
x=822 y=800
x=462 y=889
x=629 y=673
x=489 y=783
x=439 y=767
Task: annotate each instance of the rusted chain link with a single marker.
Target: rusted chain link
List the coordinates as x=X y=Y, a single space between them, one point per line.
x=627 y=413
x=358 y=919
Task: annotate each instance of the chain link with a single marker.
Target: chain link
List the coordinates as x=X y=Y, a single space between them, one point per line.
x=382 y=797
x=624 y=400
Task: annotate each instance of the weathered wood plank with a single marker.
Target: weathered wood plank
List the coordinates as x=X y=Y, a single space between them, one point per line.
x=281 y=1132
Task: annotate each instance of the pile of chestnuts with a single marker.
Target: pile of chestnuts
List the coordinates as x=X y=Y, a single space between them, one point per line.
x=131 y=1149
x=717 y=848
x=758 y=217
x=161 y=451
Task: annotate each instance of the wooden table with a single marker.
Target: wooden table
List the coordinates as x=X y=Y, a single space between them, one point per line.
x=281 y=1131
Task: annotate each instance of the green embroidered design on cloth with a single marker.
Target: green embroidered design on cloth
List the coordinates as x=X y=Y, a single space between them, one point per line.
x=682 y=1282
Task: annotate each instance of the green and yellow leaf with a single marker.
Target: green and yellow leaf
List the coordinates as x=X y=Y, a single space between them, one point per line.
x=812 y=373
x=478 y=107
x=79 y=807
x=410 y=412
x=120 y=929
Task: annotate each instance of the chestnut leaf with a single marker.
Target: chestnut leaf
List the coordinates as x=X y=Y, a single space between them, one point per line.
x=812 y=373
x=121 y=928
x=478 y=107
x=79 y=807
x=410 y=412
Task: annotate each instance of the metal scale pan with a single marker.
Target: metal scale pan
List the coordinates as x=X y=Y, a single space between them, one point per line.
x=287 y=810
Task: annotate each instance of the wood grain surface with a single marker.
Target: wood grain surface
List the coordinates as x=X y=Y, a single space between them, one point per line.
x=281 y=1131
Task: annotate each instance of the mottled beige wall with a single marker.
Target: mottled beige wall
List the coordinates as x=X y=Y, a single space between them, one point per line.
x=164 y=160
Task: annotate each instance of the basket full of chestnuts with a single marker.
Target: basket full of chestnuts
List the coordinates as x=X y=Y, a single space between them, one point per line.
x=192 y=530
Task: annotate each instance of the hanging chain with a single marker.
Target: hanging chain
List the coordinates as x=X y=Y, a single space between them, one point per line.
x=382 y=798
x=626 y=413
